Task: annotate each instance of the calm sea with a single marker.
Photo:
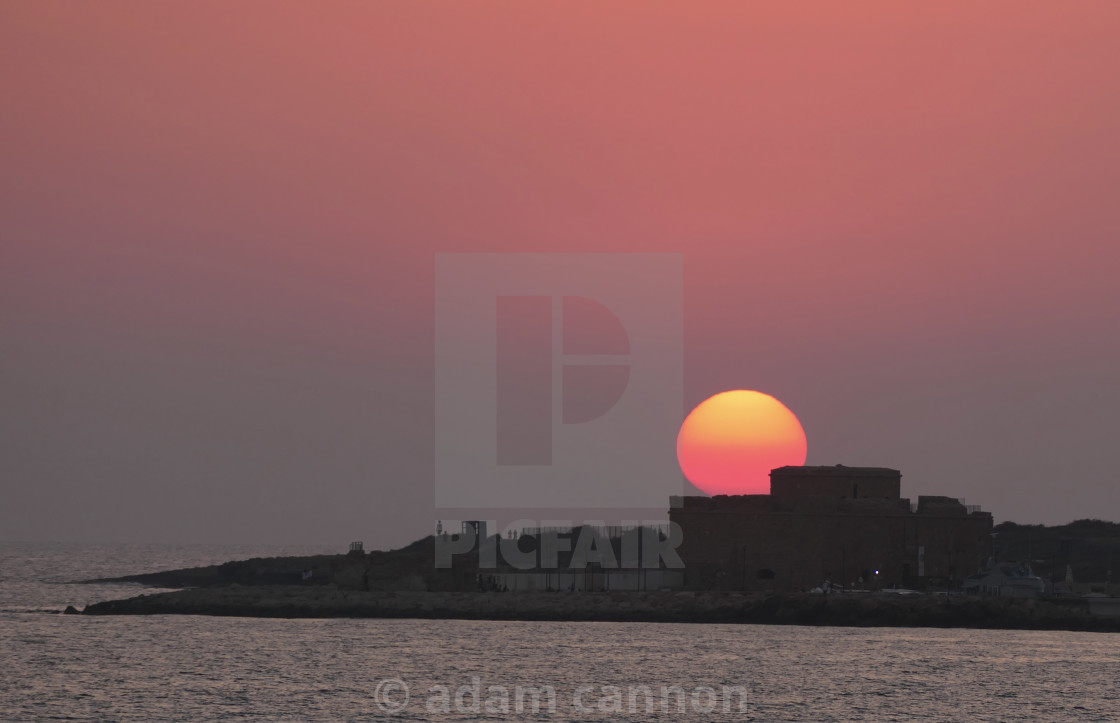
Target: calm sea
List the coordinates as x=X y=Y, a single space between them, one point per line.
x=57 y=667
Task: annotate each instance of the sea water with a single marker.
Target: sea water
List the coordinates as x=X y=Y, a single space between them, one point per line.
x=203 y=668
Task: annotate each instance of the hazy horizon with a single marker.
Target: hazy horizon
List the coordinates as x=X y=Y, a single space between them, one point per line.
x=219 y=226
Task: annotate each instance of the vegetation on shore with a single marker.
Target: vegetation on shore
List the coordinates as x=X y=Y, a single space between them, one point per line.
x=1090 y=549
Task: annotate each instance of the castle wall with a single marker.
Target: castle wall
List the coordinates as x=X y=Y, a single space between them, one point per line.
x=838 y=481
x=797 y=541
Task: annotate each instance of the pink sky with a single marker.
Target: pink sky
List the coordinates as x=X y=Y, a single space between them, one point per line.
x=218 y=223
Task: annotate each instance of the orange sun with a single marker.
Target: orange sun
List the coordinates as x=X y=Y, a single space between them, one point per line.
x=730 y=442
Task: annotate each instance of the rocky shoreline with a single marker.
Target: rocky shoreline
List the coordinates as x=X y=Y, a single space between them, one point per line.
x=873 y=610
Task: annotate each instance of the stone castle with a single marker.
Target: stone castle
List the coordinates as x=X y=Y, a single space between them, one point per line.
x=840 y=526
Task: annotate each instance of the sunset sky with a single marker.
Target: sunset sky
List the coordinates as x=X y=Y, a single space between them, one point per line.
x=219 y=220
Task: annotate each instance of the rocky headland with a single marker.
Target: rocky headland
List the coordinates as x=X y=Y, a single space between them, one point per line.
x=404 y=583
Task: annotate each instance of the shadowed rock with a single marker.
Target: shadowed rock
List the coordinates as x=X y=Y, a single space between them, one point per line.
x=708 y=607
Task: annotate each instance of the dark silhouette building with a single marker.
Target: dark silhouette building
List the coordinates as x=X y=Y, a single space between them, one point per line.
x=845 y=525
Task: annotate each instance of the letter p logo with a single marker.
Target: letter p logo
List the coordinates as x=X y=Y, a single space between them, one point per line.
x=558 y=379
x=594 y=360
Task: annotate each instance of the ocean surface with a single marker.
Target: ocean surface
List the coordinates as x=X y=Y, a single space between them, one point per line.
x=63 y=667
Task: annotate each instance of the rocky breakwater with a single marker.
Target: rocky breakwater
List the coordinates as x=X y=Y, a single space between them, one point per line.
x=705 y=607
x=407 y=568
